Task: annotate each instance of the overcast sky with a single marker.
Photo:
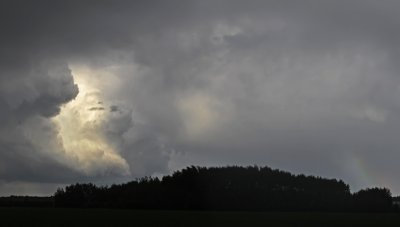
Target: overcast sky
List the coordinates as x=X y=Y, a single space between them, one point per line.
x=107 y=91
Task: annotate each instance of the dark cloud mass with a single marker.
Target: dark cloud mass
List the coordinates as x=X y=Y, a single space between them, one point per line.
x=308 y=86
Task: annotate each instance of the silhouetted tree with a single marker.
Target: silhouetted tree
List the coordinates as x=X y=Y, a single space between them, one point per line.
x=373 y=200
x=228 y=188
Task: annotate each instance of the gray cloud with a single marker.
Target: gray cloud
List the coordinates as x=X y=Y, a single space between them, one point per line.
x=306 y=86
x=29 y=96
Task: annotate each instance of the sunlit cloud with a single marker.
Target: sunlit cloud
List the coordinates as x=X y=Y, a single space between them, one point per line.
x=81 y=125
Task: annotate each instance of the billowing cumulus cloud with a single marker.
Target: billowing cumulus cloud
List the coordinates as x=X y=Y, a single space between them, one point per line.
x=29 y=97
x=82 y=133
x=108 y=91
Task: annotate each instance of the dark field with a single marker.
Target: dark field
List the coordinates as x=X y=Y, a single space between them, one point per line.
x=103 y=217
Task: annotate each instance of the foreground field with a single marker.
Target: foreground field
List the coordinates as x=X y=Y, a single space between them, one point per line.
x=103 y=217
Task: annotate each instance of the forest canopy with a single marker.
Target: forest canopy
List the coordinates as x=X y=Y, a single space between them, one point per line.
x=228 y=188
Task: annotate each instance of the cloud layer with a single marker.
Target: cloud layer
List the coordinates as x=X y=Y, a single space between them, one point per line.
x=308 y=86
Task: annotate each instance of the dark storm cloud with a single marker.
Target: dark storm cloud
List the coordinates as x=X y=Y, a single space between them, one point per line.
x=308 y=86
x=29 y=96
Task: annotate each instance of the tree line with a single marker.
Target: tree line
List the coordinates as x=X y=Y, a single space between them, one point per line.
x=249 y=188
x=27 y=201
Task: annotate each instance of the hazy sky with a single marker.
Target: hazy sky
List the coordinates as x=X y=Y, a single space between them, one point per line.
x=107 y=91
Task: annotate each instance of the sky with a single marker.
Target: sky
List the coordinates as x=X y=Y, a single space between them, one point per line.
x=110 y=91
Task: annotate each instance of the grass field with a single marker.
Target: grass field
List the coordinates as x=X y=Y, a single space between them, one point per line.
x=104 y=217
